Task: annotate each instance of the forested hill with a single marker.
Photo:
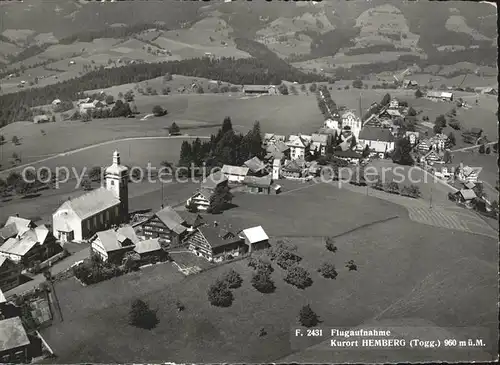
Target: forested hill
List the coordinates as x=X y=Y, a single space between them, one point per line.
x=15 y=106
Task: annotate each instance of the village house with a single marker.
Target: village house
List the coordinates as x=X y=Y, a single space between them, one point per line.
x=261 y=185
x=200 y=199
x=80 y=218
x=467 y=174
x=393 y=104
x=439 y=95
x=14 y=342
x=38 y=119
x=260 y=90
x=215 y=244
x=56 y=102
x=443 y=173
x=167 y=225
x=374 y=121
x=347 y=140
x=277 y=149
x=299 y=146
x=10 y=274
x=410 y=84
x=294 y=169
x=348 y=156
x=378 y=140
x=234 y=174
x=112 y=245
x=150 y=248
x=432 y=157
x=349 y=119
x=34 y=245
x=413 y=137
x=255 y=238
x=214 y=180
x=272 y=138
x=320 y=142
x=256 y=167
x=331 y=124
x=466 y=197
x=191 y=220
x=438 y=142
x=424 y=146
x=15 y=226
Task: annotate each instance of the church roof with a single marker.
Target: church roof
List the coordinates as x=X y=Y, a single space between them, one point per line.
x=91 y=203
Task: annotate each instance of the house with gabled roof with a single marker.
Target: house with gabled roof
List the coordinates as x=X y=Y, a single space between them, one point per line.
x=432 y=157
x=272 y=138
x=351 y=120
x=201 y=199
x=256 y=167
x=212 y=181
x=294 y=169
x=468 y=174
x=14 y=342
x=424 y=146
x=80 y=218
x=413 y=137
x=299 y=146
x=15 y=226
x=149 y=248
x=166 y=225
x=10 y=274
x=278 y=149
x=215 y=244
x=34 y=245
x=255 y=238
x=261 y=185
x=235 y=174
x=320 y=142
x=112 y=245
x=379 y=140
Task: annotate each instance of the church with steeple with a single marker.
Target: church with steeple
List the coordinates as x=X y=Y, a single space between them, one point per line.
x=80 y=218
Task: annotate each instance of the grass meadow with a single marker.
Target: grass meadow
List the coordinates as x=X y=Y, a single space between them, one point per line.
x=434 y=275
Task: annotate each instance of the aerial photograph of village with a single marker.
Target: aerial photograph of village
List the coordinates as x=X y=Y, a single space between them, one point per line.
x=248 y=181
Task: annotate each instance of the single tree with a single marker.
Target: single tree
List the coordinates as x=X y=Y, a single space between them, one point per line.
x=262 y=282
x=174 y=129
x=351 y=265
x=402 y=152
x=298 y=276
x=482 y=149
x=358 y=84
x=219 y=294
x=385 y=100
x=327 y=270
x=142 y=316
x=110 y=99
x=95 y=173
x=232 y=279
x=307 y=317
x=313 y=87
x=366 y=152
x=15 y=140
x=158 y=111
x=451 y=139
x=2 y=139
x=418 y=93
x=283 y=89
x=412 y=112
x=330 y=244
x=488 y=150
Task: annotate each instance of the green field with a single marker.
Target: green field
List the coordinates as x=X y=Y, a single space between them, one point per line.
x=404 y=272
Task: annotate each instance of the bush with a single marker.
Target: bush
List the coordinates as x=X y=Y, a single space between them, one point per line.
x=262 y=281
x=158 y=111
x=330 y=245
x=219 y=294
x=232 y=279
x=307 y=317
x=328 y=271
x=142 y=316
x=392 y=188
x=298 y=276
x=378 y=185
x=260 y=265
x=284 y=254
x=482 y=149
x=411 y=191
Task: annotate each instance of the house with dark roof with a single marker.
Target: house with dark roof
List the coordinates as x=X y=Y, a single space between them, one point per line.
x=294 y=169
x=80 y=218
x=432 y=157
x=10 y=274
x=348 y=156
x=112 y=245
x=378 y=140
x=260 y=90
x=261 y=185
x=320 y=142
x=277 y=149
x=191 y=220
x=255 y=166
x=201 y=199
x=216 y=244
x=215 y=179
x=166 y=225
x=14 y=342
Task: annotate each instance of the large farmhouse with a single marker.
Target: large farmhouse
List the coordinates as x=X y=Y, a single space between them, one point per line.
x=80 y=218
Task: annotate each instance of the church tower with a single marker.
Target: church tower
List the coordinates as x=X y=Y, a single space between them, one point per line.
x=117 y=182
